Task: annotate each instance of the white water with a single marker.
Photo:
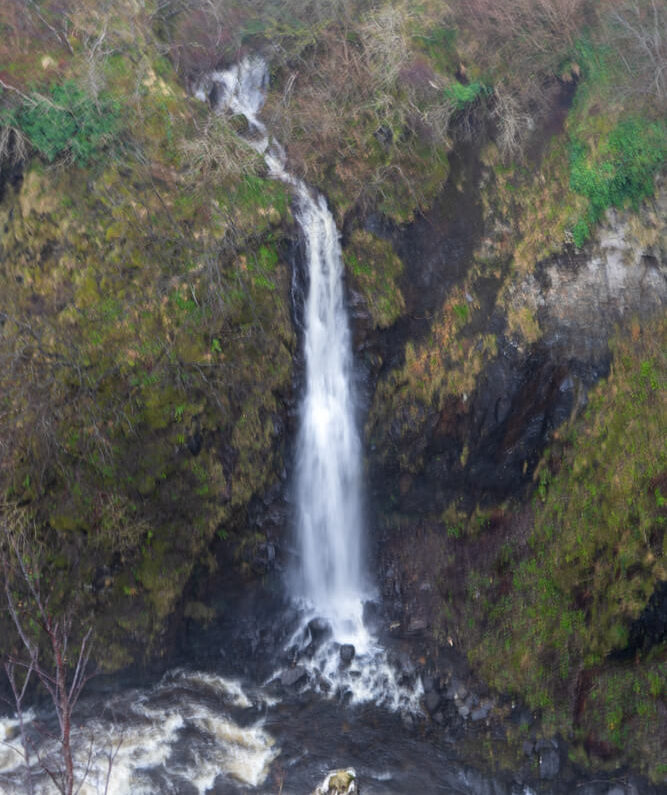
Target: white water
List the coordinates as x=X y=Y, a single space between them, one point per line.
x=176 y=737
x=329 y=451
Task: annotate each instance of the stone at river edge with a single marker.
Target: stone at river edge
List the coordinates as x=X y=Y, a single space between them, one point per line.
x=339 y=782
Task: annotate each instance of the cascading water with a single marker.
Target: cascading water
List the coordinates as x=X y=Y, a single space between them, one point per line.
x=329 y=450
x=328 y=476
x=329 y=581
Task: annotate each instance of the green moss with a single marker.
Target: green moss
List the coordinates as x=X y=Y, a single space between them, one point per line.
x=376 y=269
x=593 y=560
x=466 y=94
x=620 y=172
x=145 y=316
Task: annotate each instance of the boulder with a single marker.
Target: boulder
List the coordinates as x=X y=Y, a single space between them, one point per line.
x=293 y=676
x=432 y=701
x=347 y=653
x=339 y=782
x=457 y=690
x=320 y=630
x=549 y=763
x=480 y=713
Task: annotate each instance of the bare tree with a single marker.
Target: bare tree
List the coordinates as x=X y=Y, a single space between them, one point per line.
x=637 y=33
x=386 y=44
x=14 y=146
x=44 y=647
x=514 y=123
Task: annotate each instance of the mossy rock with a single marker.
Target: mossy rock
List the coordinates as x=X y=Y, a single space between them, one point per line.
x=375 y=270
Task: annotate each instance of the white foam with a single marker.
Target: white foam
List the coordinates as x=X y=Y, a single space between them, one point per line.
x=369 y=678
x=149 y=738
x=230 y=689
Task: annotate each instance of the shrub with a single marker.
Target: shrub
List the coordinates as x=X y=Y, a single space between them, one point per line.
x=68 y=122
x=464 y=95
x=620 y=172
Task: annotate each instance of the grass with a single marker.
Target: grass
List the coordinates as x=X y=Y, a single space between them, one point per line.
x=376 y=271
x=464 y=95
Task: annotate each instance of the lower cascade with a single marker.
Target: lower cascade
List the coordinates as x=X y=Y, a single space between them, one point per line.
x=141 y=733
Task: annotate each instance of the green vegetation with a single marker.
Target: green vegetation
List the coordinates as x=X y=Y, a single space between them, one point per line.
x=566 y=598
x=146 y=342
x=149 y=320
x=464 y=95
x=68 y=121
x=621 y=172
x=375 y=270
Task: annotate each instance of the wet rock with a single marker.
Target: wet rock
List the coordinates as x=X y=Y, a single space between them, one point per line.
x=546 y=744
x=339 y=782
x=457 y=690
x=320 y=630
x=372 y=616
x=528 y=747
x=464 y=711
x=293 y=676
x=549 y=763
x=265 y=559
x=481 y=713
x=417 y=625
x=650 y=628
x=194 y=443
x=432 y=701
x=347 y=653
x=428 y=683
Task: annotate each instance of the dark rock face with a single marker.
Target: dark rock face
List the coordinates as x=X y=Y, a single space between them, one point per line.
x=651 y=626
x=432 y=701
x=293 y=676
x=549 y=763
x=525 y=391
x=347 y=652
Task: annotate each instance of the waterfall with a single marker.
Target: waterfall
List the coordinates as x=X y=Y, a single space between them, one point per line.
x=328 y=470
x=329 y=450
x=328 y=581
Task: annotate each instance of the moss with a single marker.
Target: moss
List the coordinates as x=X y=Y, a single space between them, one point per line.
x=522 y=321
x=375 y=270
x=199 y=612
x=591 y=563
x=163 y=574
x=136 y=315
